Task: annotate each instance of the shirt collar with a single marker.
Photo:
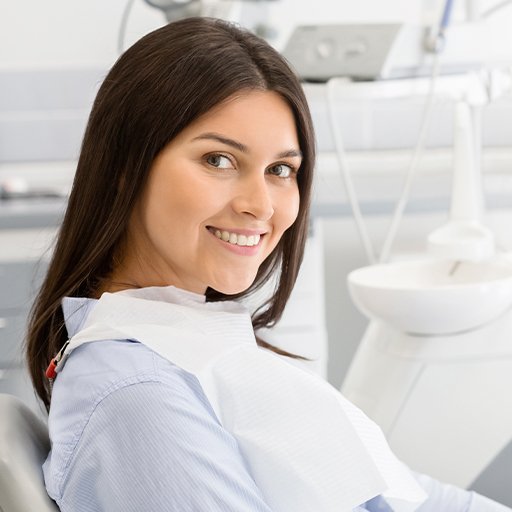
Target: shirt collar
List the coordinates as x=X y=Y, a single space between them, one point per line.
x=76 y=310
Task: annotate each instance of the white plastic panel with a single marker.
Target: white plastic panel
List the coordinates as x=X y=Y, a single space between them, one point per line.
x=458 y=416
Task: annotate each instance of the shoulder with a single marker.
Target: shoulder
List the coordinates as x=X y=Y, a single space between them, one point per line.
x=97 y=369
x=142 y=436
x=122 y=377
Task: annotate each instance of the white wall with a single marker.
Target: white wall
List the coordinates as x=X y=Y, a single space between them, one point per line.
x=50 y=33
x=68 y=33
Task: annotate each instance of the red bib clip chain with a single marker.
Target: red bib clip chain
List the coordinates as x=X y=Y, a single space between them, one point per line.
x=54 y=366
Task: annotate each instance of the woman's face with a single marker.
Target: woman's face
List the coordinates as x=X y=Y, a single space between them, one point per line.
x=218 y=199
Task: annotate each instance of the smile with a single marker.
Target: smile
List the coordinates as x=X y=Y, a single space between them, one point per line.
x=236 y=238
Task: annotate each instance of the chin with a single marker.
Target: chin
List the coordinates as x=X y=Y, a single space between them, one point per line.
x=234 y=287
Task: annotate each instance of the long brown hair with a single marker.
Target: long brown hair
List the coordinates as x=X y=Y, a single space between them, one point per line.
x=157 y=87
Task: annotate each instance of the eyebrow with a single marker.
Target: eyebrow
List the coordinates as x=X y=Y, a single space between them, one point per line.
x=242 y=147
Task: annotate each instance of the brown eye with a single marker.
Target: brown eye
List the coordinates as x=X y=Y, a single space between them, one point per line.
x=219 y=161
x=280 y=170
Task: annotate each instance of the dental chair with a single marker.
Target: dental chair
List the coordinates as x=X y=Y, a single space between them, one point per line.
x=24 y=445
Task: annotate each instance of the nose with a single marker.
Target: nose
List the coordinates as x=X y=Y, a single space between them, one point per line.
x=253 y=197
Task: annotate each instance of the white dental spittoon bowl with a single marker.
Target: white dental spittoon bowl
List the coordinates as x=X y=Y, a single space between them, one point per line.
x=421 y=297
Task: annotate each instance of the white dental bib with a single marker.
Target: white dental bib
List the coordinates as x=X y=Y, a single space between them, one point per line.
x=308 y=449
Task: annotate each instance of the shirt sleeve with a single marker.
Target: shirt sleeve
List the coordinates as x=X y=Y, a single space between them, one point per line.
x=444 y=498
x=450 y=498
x=154 y=447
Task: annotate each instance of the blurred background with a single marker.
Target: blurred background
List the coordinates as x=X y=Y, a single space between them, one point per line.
x=374 y=124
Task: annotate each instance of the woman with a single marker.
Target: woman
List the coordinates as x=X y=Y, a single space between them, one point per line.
x=193 y=189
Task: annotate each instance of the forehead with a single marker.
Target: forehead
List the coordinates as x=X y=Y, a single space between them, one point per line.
x=256 y=118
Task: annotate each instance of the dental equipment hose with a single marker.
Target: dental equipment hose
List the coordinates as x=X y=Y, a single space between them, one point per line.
x=433 y=46
x=413 y=166
x=434 y=42
x=495 y=8
x=411 y=172
x=122 y=28
x=345 y=174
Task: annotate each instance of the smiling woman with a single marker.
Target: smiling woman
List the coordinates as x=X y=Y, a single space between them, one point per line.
x=194 y=73
x=192 y=190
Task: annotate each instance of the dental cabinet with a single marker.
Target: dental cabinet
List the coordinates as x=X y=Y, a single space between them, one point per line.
x=26 y=231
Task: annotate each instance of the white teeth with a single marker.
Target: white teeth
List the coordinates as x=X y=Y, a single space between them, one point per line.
x=235 y=239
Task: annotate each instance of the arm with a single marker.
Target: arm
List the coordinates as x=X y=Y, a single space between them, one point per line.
x=156 y=447
x=449 y=498
x=444 y=498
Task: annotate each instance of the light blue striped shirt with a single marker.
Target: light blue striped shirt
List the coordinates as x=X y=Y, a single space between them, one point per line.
x=131 y=431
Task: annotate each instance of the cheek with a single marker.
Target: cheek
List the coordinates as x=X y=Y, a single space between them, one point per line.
x=285 y=214
x=289 y=209
x=173 y=201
